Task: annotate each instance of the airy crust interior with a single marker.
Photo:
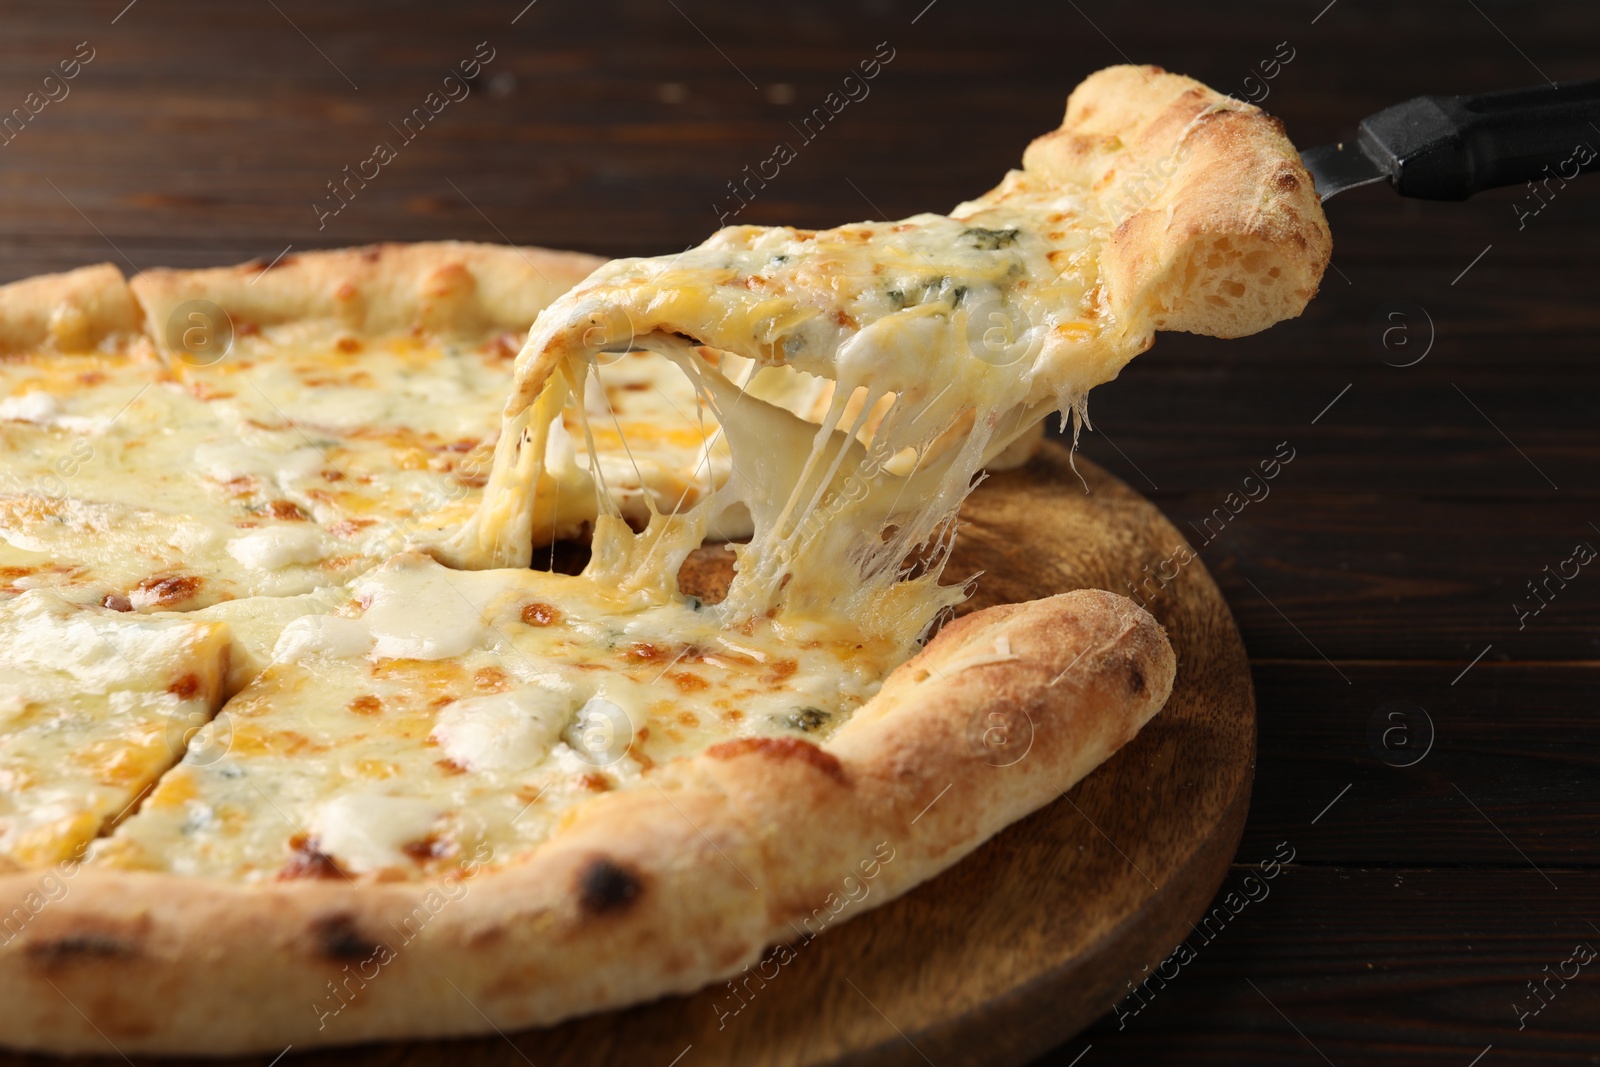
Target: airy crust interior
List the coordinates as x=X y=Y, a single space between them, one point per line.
x=1220 y=232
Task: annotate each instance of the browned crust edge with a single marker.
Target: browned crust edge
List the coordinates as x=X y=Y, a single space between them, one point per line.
x=452 y=288
x=1196 y=182
x=74 y=311
x=656 y=890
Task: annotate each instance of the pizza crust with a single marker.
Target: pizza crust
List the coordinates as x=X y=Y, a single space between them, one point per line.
x=1207 y=189
x=449 y=288
x=650 y=891
x=72 y=312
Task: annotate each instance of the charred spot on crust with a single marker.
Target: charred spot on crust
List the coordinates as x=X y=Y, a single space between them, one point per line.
x=781 y=748
x=87 y=948
x=287 y=510
x=605 y=887
x=1136 y=682
x=339 y=939
x=113 y=601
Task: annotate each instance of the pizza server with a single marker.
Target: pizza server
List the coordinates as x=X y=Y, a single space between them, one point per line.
x=1450 y=147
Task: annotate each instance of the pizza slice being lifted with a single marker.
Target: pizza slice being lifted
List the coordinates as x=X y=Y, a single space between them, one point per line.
x=935 y=342
x=521 y=795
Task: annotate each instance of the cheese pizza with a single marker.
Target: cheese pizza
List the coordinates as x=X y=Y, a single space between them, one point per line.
x=371 y=675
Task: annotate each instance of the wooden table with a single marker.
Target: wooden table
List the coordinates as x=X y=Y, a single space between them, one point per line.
x=1377 y=584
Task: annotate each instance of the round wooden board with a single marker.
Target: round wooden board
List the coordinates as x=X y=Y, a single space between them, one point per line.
x=1034 y=935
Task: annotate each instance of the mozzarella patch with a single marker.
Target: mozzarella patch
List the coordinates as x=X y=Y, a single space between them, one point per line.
x=367 y=832
x=502 y=731
x=452 y=624
x=277 y=547
x=325 y=635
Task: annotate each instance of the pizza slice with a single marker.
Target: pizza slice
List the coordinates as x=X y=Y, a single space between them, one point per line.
x=94 y=707
x=935 y=343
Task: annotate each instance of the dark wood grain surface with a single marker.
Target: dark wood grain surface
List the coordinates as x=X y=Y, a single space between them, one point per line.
x=1392 y=552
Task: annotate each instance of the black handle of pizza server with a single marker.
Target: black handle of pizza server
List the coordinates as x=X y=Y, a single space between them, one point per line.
x=1449 y=147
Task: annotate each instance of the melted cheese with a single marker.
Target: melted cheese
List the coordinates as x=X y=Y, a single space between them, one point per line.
x=297 y=463
x=257 y=625
x=914 y=353
x=839 y=397
x=277 y=547
x=369 y=831
x=323 y=635
x=568 y=689
x=845 y=389
x=833 y=395
x=234 y=501
x=513 y=729
x=428 y=614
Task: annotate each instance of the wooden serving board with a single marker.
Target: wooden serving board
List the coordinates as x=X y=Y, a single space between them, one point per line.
x=1039 y=932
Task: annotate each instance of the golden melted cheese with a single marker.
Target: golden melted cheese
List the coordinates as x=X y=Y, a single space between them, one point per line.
x=297 y=462
x=861 y=377
x=441 y=714
x=227 y=501
x=831 y=395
